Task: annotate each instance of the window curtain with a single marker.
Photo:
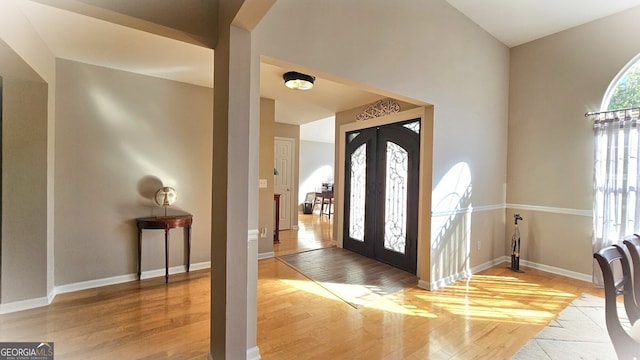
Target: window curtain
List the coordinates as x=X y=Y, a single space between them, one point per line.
x=616 y=209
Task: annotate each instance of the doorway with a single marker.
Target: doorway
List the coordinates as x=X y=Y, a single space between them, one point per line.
x=283 y=182
x=381 y=188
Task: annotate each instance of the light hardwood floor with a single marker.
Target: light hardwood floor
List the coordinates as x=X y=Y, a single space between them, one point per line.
x=489 y=316
x=314 y=232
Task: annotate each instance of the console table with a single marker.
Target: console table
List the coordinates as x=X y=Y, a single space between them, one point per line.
x=165 y=223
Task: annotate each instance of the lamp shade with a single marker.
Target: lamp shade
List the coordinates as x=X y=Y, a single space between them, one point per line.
x=298 y=81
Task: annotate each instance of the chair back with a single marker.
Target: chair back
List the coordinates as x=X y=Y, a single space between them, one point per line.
x=626 y=286
x=632 y=243
x=608 y=257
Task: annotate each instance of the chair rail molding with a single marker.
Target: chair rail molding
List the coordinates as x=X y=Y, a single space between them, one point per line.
x=550 y=209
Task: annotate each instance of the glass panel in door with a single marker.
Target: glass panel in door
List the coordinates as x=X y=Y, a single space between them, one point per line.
x=395 y=213
x=358 y=179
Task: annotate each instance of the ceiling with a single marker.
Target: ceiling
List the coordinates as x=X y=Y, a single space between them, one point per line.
x=515 y=22
x=119 y=45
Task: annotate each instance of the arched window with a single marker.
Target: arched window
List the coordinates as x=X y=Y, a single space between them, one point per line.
x=616 y=167
x=624 y=90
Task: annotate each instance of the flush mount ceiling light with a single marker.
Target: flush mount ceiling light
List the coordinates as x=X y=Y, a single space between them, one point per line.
x=298 y=81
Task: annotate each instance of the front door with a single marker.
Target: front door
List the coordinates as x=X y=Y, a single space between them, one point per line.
x=381 y=193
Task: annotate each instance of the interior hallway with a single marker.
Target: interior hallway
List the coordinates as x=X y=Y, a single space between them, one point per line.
x=314 y=231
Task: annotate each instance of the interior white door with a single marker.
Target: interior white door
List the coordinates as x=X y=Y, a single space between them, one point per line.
x=283 y=182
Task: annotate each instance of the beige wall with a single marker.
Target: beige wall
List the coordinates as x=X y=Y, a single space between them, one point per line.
x=26 y=60
x=24 y=191
x=18 y=33
x=120 y=136
x=554 y=82
x=266 y=205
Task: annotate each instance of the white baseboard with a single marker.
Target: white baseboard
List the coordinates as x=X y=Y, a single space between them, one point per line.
x=90 y=284
x=484 y=266
x=434 y=285
x=160 y=272
x=267 y=255
x=554 y=270
x=422 y=284
x=175 y=270
x=83 y=285
x=200 y=266
x=253 y=353
x=24 y=305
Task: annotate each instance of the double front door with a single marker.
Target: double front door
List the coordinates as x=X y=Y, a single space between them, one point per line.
x=381 y=193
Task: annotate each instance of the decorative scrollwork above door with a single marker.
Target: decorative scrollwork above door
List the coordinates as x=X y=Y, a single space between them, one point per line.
x=379 y=108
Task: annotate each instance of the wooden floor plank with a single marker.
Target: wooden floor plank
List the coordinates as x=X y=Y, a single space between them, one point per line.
x=489 y=316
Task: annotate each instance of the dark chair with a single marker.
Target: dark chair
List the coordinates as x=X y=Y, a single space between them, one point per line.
x=325 y=198
x=625 y=346
x=627 y=289
x=632 y=243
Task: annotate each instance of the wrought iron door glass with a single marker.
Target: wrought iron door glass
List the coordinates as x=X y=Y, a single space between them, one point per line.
x=395 y=222
x=358 y=192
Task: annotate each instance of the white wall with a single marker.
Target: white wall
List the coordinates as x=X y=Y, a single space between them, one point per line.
x=120 y=136
x=316 y=166
x=425 y=50
x=322 y=130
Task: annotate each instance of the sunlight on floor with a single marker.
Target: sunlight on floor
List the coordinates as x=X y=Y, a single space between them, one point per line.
x=314 y=231
x=481 y=297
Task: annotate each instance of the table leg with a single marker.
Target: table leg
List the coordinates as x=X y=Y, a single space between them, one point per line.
x=166 y=255
x=139 y=253
x=188 y=229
